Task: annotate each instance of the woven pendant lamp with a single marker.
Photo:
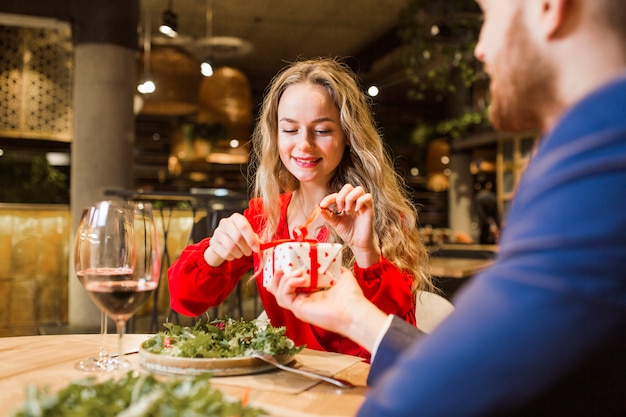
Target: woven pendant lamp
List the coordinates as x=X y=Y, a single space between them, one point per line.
x=226 y=99
x=225 y=96
x=176 y=74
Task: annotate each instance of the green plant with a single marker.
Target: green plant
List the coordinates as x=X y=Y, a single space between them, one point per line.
x=452 y=128
x=438 y=55
x=439 y=39
x=28 y=178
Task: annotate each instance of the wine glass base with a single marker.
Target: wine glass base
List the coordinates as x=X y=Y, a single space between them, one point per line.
x=119 y=363
x=102 y=364
x=96 y=364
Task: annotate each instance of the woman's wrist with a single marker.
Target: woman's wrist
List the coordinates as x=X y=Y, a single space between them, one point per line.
x=367 y=258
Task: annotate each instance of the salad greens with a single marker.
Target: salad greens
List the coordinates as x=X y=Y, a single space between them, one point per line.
x=134 y=395
x=221 y=338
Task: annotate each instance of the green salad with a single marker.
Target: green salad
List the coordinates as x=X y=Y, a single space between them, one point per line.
x=221 y=338
x=134 y=395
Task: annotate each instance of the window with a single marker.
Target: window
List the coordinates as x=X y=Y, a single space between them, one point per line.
x=513 y=155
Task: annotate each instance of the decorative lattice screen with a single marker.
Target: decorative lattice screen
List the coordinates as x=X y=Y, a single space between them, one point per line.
x=35 y=83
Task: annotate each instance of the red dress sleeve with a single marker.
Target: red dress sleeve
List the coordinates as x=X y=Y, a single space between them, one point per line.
x=195 y=286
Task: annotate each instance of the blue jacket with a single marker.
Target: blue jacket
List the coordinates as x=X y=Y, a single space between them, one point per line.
x=543 y=331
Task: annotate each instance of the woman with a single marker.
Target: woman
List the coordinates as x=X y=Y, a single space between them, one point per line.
x=315 y=143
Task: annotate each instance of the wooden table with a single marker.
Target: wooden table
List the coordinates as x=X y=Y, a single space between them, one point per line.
x=49 y=361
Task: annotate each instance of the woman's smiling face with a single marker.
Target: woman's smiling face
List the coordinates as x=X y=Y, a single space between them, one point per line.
x=311 y=141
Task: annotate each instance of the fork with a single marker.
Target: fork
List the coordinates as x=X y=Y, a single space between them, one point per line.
x=342 y=383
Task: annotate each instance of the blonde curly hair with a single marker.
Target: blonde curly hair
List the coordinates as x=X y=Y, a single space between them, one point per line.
x=365 y=162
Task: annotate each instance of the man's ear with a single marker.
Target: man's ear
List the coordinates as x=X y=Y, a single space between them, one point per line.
x=553 y=16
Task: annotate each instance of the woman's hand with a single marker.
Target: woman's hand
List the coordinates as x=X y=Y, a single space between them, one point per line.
x=232 y=239
x=354 y=222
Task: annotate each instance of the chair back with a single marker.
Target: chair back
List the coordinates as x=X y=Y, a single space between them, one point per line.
x=430 y=310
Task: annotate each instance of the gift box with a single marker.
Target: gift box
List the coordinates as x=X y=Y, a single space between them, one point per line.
x=321 y=262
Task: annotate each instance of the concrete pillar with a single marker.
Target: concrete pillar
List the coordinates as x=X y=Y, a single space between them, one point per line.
x=105 y=44
x=460 y=194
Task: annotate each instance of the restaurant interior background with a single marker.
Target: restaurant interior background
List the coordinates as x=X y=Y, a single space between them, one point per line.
x=191 y=135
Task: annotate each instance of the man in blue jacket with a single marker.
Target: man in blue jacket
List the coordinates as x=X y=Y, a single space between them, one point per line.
x=543 y=331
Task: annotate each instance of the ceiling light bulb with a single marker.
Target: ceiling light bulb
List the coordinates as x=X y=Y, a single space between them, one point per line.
x=146 y=87
x=372 y=91
x=206 y=69
x=169 y=27
x=167 y=31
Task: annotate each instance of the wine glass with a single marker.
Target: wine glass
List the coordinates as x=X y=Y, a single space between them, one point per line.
x=101 y=361
x=119 y=261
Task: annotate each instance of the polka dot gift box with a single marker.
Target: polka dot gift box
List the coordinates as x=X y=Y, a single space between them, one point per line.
x=321 y=262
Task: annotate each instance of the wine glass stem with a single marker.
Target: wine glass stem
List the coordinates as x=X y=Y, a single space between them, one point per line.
x=121 y=327
x=103 y=333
